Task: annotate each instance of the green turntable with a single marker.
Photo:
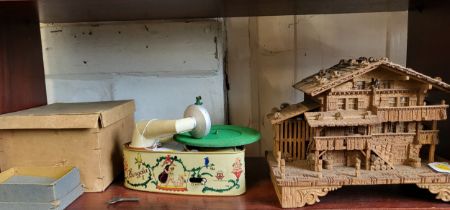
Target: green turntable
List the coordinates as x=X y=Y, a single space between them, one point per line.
x=221 y=136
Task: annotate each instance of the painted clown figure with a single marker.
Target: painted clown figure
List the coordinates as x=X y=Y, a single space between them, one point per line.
x=237 y=168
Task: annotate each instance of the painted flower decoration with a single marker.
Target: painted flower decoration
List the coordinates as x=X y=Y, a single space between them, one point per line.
x=138 y=160
x=237 y=174
x=167 y=160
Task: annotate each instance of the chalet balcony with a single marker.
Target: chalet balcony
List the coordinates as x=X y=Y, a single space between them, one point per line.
x=412 y=113
x=368 y=91
x=356 y=142
x=385 y=138
x=428 y=136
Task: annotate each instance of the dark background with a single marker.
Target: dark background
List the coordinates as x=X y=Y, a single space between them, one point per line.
x=428 y=52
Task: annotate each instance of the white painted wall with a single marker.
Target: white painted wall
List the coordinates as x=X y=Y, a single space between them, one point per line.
x=162 y=65
x=267 y=55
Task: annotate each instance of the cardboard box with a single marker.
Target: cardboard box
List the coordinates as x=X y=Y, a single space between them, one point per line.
x=39 y=187
x=219 y=172
x=86 y=135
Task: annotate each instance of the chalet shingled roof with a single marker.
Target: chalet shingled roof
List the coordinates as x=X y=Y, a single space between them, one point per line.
x=291 y=111
x=346 y=70
x=341 y=118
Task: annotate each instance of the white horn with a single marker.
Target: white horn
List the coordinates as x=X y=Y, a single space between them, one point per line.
x=148 y=132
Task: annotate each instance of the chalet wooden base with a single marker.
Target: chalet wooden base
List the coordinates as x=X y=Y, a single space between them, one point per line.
x=442 y=190
x=296 y=185
x=293 y=197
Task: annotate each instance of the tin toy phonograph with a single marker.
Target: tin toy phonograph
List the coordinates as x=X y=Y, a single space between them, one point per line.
x=188 y=156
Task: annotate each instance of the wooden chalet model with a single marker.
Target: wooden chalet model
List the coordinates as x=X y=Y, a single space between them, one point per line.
x=359 y=118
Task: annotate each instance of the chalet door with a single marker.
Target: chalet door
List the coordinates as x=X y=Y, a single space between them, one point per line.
x=351 y=157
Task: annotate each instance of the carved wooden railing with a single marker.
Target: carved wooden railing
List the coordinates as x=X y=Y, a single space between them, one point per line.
x=381 y=137
x=367 y=91
x=393 y=91
x=412 y=113
x=428 y=136
x=291 y=138
x=357 y=142
x=351 y=92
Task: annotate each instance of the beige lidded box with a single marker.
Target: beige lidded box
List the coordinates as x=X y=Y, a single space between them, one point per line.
x=86 y=135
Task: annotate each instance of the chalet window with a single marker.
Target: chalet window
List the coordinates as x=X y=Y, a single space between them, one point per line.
x=403 y=127
x=390 y=127
x=392 y=101
x=378 y=128
x=404 y=101
x=411 y=127
x=351 y=130
x=353 y=103
x=322 y=132
x=341 y=103
x=362 y=130
x=360 y=85
x=400 y=127
x=386 y=84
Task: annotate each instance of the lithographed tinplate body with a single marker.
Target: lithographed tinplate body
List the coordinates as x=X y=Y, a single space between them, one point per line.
x=220 y=172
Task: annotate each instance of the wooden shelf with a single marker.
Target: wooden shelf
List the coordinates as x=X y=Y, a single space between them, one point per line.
x=51 y=11
x=261 y=195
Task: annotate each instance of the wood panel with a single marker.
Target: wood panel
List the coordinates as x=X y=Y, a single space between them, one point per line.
x=22 y=81
x=291 y=138
x=120 y=10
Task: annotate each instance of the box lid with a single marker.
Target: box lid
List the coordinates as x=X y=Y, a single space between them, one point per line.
x=69 y=115
x=38 y=184
x=61 y=203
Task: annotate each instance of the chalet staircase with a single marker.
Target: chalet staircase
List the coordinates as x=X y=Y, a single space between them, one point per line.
x=385 y=157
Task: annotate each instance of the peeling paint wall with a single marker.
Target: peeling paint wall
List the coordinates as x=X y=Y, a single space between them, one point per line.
x=162 y=65
x=267 y=55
